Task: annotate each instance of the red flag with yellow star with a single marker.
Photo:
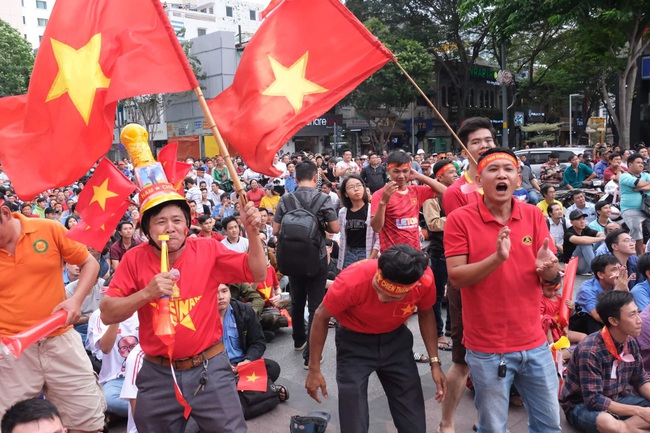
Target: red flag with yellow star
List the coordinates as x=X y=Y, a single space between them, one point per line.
x=92 y=54
x=252 y=376
x=305 y=57
x=175 y=170
x=95 y=235
x=104 y=194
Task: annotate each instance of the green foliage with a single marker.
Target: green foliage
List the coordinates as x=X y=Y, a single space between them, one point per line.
x=16 y=61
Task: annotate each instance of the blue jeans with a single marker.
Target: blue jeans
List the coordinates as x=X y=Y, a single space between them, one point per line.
x=114 y=403
x=585 y=254
x=533 y=196
x=584 y=419
x=533 y=374
x=353 y=255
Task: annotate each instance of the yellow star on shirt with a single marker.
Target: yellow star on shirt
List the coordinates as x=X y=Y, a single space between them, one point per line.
x=408 y=309
x=101 y=193
x=80 y=74
x=291 y=82
x=252 y=378
x=266 y=291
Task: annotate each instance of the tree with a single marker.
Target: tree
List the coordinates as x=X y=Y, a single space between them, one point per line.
x=16 y=61
x=384 y=96
x=149 y=109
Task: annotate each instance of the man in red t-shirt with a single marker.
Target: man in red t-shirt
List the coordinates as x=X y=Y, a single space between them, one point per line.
x=372 y=300
x=200 y=364
x=477 y=134
x=497 y=250
x=395 y=208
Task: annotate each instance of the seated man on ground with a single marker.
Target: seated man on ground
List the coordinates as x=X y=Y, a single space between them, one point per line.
x=641 y=291
x=578 y=241
x=606 y=389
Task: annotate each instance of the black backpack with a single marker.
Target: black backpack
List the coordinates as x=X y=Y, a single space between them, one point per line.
x=300 y=239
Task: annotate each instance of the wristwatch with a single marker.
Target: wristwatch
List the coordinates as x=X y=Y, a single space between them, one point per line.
x=434 y=360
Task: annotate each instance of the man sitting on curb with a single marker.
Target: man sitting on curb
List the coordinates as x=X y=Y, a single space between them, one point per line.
x=606 y=389
x=578 y=241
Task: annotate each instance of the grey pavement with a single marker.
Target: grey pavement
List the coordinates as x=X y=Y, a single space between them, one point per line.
x=293 y=377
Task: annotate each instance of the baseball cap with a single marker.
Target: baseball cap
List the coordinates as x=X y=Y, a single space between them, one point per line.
x=577 y=214
x=420 y=151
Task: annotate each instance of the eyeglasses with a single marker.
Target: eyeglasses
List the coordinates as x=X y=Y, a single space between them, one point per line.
x=627 y=240
x=354 y=187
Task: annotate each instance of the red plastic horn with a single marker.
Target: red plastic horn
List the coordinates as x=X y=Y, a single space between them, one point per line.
x=570 y=271
x=16 y=344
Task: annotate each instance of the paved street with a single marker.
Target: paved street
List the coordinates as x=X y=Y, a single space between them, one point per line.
x=293 y=377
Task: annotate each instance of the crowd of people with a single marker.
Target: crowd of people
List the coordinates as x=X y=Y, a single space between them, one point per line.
x=386 y=236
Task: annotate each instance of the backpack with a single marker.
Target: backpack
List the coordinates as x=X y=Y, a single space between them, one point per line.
x=300 y=239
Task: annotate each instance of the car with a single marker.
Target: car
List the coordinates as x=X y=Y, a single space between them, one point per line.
x=538 y=156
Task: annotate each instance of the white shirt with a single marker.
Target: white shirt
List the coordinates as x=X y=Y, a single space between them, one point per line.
x=589 y=209
x=350 y=168
x=91 y=303
x=557 y=232
x=194 y=194
x=335 y=198
x=206 y=178
x=113 y=362
x=129 y=388
x=241 y=246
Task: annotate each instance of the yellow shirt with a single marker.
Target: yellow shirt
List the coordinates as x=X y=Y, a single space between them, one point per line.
x=543 y=205
x=270 y=203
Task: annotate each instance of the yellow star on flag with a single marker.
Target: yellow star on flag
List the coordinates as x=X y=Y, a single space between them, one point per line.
x=408 y=309
x=291 y=82
x=80 y=74
x=266 y=291
x=101 y=193
x=252 y=378
x=102 y=227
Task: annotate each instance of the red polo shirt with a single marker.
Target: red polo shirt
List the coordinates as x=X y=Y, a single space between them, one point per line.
x=353 y=301
x=501 y=312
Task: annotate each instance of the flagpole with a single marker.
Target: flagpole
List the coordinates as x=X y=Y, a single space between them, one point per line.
x=223 y=150
x=453 y=134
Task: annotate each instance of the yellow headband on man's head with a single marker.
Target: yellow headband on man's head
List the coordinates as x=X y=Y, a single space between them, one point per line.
x=395 y=289
x=497 y=156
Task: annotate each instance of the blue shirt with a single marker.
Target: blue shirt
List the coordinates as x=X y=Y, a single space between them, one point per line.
x=290 y=184
x=641 y=293
x=573 y=178
x=588 y=294
x=631 y=199
x=231 y=337
x=600 y=168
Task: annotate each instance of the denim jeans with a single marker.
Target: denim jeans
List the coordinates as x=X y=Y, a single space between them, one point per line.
x=533 y=196
x=585 y=254
x=585 y=420
x=114 y=403
x=353 y=255
x=533 y=374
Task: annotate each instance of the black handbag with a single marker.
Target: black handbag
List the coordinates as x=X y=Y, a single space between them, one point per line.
x=645 y=203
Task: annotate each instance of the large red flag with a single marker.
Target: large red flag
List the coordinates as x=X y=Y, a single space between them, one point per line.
x=305 y=57
x=175 y=170
x=252 y=376
x=105 y=192
x=93 y=53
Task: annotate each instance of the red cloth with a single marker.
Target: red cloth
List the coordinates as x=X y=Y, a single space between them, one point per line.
x=203 y=265
x=104 y=194
x=550 y=312
x=353 y=300
x=327 y=45
x=97 y=234
x=266 y=287
x=175 y=170
x=252 y=376
x=402 y=221
x=130 y=49
x=456 y=196
x=214 y=235
x=501 y=312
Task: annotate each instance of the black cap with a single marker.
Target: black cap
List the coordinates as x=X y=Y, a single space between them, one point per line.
x=577 y=214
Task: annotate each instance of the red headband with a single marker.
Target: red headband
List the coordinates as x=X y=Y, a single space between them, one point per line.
x=497 y=156
x=396 y=165
x=443 y=169
x=391 y=287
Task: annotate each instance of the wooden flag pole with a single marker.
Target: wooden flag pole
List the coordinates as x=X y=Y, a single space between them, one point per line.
x=433 y=107
x=223 y=150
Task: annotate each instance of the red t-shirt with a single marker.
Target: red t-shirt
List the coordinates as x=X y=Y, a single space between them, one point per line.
x=460 y=193
x=213 y=235
x=608 y=173
x=256 y=196
x=266 y=287
x=203 y=265
x=501 y=312
x=401 y=223
x=353 y=301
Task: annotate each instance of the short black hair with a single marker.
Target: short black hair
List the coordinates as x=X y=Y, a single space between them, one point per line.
x=121 y=224
x=49 y=210
x=599 y=263
x=26 y=411
x=40 y=200
x=575 y=192
x=403 y=264
x=306 y=170
x=544 y=189
x=203 y=218
x=227 y=220
x=600 y=205
x=398 y=157
x=612 y=238
x=549 y=209
x=614 y=155
x=643 y=265
x=633 y=157
x=609 y=305
x=554 y=155
x=473 y=124
x=189 y=181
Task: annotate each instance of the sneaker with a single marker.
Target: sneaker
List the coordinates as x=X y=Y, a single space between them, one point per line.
x=299 y=346
x=305 y=365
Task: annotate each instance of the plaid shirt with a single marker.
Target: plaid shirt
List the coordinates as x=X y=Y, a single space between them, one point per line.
x=589 y=380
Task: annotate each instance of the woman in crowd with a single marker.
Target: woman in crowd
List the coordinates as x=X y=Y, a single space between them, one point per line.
x=271 y=198
x=255 y=194
x=70 y=222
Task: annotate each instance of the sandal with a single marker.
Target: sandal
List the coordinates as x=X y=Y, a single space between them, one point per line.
x=420 y=357
x=444 y=345
x=282 y=390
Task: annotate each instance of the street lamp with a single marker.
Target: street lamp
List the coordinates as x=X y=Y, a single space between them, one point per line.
x=571 y=117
